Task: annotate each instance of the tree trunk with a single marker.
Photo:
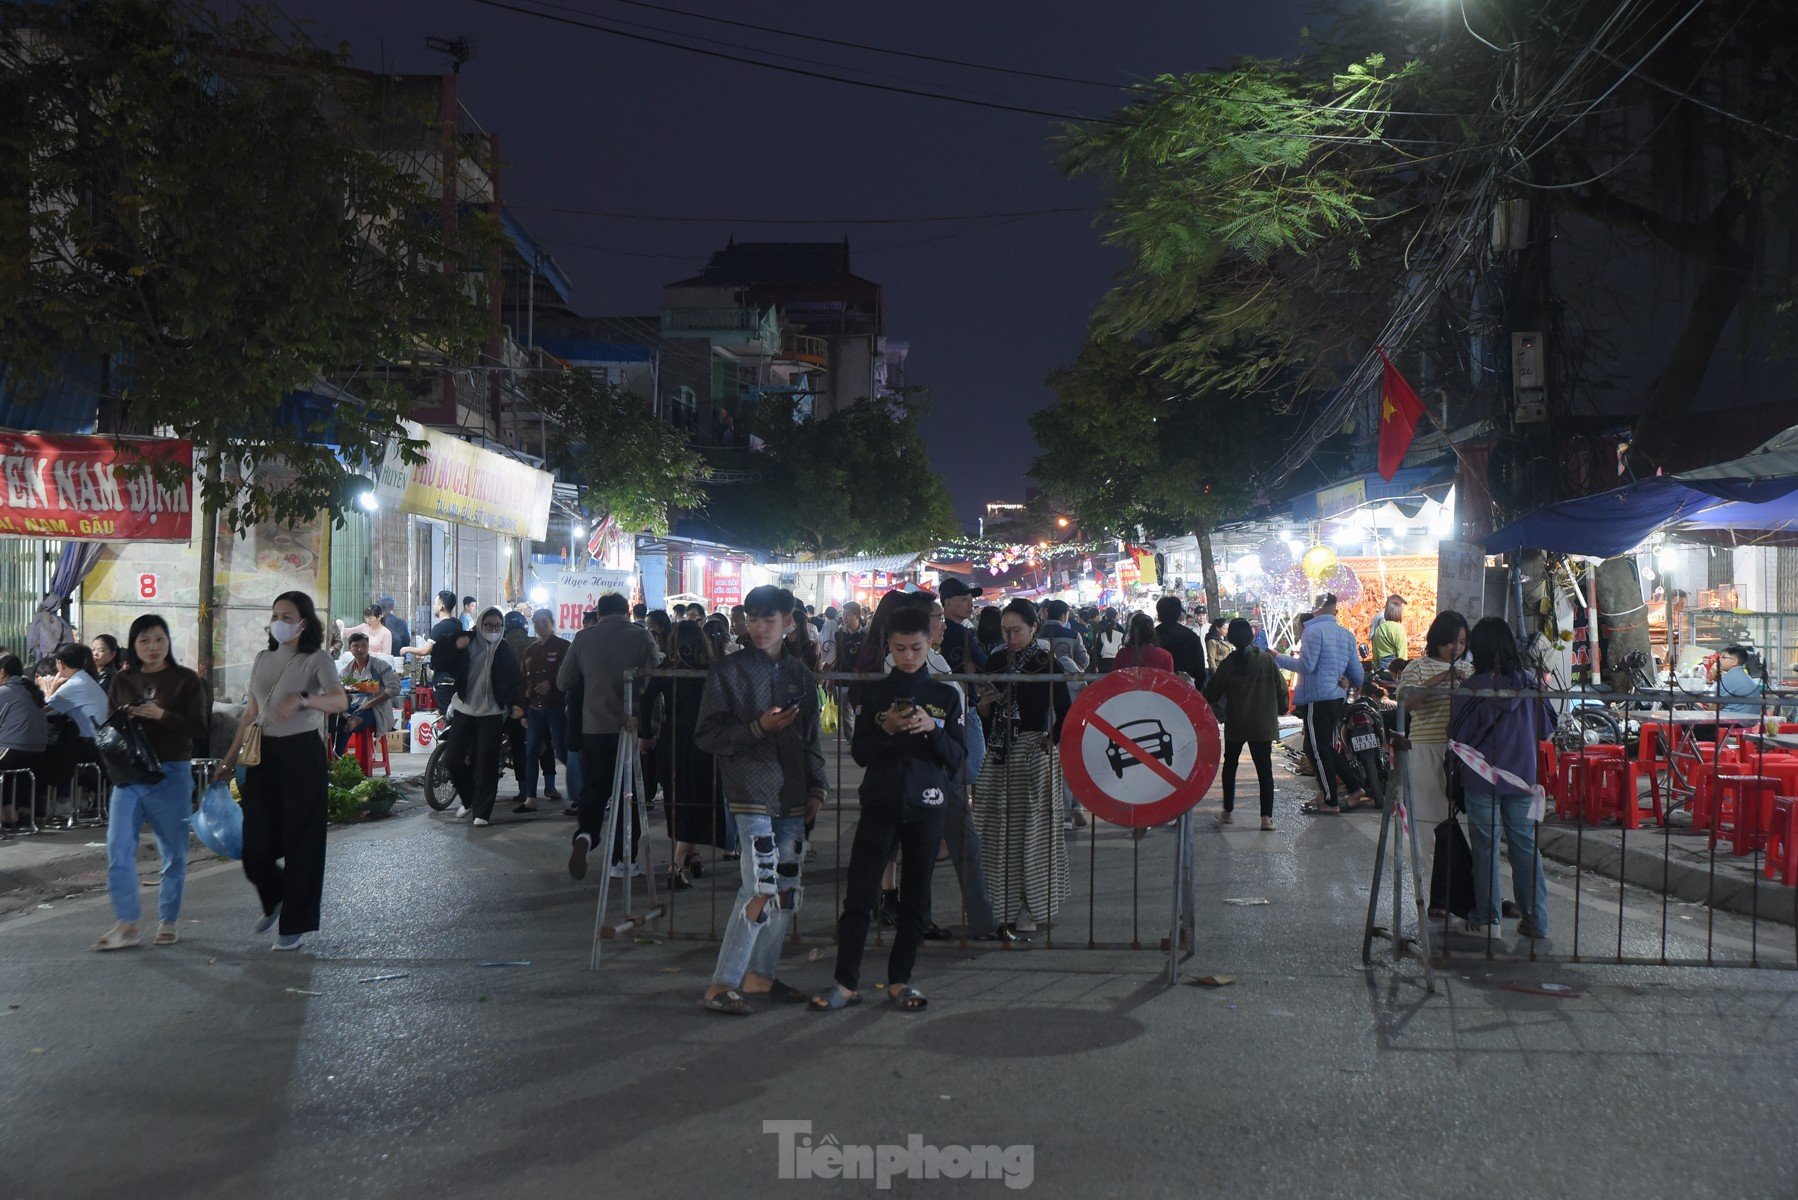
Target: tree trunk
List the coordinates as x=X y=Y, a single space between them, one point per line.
x=1208 y=569
x=209 y=525
x=1623 y=618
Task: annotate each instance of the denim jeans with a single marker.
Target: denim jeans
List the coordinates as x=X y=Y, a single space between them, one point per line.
x=773 y=852
x=542 y=724
x=167 y=806
x=1511 y=813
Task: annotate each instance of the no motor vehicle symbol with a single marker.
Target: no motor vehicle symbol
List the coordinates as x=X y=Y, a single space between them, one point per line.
x=1139 y=747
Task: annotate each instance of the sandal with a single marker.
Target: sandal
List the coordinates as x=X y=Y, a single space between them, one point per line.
x=909 y=999
x=786 y=993
x=116 y=939
x=835 y=1001
x=166 y=934
x=730 y=1002
x=1318 y=810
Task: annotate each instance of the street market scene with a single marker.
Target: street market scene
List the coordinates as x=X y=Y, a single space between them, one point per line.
x=1117 y=601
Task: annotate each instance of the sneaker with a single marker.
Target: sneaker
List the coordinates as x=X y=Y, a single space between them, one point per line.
x=289 y=941
x=1226 y=817
x=616 y=871
x=462 y=811
x=1067 y=823
x=1079 y=818
x=577 y=857
x=526 y=806
x=638 y=871
x=267 y=923
x=1528 y=928
x=481 y=822
x=552 y=795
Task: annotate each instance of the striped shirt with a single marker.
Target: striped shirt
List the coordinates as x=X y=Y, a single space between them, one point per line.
x=1428 y=713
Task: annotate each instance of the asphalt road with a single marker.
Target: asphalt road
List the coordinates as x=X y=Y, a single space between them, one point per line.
x=217 y=1069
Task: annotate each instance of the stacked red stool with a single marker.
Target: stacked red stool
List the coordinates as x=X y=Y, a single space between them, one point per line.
x=363 y=743
x=1782 y=841
x=1740 y=800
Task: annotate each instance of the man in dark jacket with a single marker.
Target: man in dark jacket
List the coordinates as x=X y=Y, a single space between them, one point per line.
x=908 y=735
x=488 y=692
x=1184 y=644
x=597 y=661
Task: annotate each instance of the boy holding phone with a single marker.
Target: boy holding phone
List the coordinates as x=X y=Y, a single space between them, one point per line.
x=759 y=718
x=909 y=736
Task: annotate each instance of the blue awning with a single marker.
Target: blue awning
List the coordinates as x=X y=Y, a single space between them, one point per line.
x=532 y=253
x=1605 y=525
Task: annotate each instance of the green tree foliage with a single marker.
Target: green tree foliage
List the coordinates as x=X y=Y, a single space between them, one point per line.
x=227 y=216
x=1283 y=217
x=855 y=482
x=1124 y=446
x=629 y=464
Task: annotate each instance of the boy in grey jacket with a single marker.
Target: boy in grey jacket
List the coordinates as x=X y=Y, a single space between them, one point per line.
x=759 y=718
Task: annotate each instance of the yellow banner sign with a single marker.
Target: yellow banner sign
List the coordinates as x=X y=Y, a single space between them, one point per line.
x=462 y=483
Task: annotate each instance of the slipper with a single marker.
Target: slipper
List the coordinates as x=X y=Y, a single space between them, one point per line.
x=1318 y=810
x=731 y=1003
x=835 y=1001
x=785 y=993
x=115 y=939
x=908 y=1000
x=166 y=934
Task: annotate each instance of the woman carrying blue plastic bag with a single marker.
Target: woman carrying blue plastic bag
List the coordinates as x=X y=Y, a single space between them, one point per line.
x=171 y=706
x=218 y=822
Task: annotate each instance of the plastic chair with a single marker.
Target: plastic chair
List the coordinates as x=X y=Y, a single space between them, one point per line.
x=1547 y=764
x=363 y=743
x=1739 y=800
x=1782 y=841
x=1570 y=784
x=1605 y=781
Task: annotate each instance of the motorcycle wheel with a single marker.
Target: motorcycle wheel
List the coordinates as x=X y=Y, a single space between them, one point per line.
x=1369 y=762
x=440 y=793
x=1598 y=726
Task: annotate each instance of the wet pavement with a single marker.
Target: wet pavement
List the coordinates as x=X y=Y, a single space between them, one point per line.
x=388 y=1061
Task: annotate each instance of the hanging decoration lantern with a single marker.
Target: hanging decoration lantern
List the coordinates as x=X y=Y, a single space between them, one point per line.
x=1344 y=583
x=1318 y=562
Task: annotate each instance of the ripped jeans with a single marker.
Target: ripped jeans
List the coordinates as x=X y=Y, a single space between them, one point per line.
x=773 y=849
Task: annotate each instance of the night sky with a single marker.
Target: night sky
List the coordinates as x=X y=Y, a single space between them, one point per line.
x=591 y=121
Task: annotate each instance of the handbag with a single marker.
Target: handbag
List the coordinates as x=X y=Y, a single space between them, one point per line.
x=125 y=752
x=1451 y=875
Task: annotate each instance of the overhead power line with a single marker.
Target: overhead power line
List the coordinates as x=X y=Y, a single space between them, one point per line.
x=746 y=60
x=720 y=220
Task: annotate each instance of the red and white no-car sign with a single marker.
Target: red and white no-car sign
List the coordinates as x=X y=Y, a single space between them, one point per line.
x=1140 y=747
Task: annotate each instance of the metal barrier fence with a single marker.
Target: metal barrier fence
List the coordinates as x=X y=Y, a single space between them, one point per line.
x=1100 y=874
x=1736 y=785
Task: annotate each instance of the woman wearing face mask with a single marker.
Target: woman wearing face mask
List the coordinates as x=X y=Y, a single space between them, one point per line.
x=293 y=690
x=169 y=704
x=1017 y=798
x=487 y=693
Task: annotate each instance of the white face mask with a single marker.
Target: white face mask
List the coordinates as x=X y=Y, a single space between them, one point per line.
x=284 y=631
x=490 y=636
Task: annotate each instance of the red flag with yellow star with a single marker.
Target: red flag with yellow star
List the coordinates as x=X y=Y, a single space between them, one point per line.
x=1400 y=410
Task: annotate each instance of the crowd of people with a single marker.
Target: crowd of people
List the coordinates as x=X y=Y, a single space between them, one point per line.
x=729 y=735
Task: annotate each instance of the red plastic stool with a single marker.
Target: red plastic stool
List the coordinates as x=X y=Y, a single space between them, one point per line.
x=1605 y=781
x=1782 y=841
x=1740 y=799
x=1547 y=761
x=363 y=742
x=1631 y=812
x=1570 y=784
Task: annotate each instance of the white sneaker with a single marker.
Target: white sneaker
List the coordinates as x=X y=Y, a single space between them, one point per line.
x=481 y=822
x=617 y=871
x=461 y=812
x=1025 y=922
x=289 y=941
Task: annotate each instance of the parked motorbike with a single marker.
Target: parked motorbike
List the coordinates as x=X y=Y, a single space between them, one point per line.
x=1367 y=728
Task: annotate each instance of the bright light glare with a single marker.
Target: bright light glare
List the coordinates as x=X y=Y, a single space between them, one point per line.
x=369 y=501
x=539 y=595
x=1345 y=536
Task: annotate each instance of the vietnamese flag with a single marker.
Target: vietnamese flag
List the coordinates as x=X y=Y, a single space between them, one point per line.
x=1400 y=410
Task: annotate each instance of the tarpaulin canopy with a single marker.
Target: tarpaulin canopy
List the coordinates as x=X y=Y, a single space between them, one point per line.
x=1767 y=473
x=1605 y=525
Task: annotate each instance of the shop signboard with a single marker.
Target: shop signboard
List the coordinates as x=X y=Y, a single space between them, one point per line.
x=1461 y=579
x=579 y=590
x=95 y=489
x=460 y=482
x=726 y=590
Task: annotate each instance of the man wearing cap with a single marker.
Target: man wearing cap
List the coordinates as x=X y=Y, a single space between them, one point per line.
x=965 y=657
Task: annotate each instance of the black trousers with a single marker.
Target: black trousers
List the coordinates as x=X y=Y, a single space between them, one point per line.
x=284 y=828
x=475 y=759
x=1262 y=752
x=1322 y=718
x=599 y=760
x=882 y=830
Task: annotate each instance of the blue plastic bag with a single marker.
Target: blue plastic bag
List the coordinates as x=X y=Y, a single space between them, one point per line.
x=219 y=822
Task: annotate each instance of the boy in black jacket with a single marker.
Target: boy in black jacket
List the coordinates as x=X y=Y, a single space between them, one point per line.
x=909 y=737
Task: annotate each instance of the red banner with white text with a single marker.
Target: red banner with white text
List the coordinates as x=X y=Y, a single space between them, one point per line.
x=96 y=489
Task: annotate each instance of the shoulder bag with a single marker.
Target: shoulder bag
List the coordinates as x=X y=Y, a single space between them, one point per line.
x=125 y=751
x=249 y=754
